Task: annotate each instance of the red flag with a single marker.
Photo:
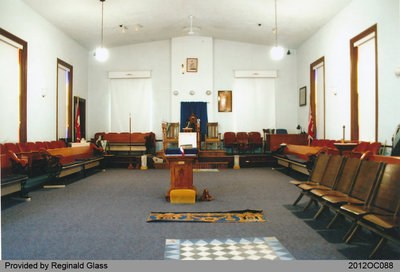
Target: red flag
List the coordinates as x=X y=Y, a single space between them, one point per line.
x=310 y=127
x=78 y=123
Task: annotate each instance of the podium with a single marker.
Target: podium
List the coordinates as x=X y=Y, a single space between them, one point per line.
x=181 y=168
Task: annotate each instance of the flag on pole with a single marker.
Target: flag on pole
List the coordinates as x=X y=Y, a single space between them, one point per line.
x=310 y=127
x=78 y=122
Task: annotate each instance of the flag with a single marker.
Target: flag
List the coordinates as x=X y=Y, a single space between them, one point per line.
x=310 y=127
x=183 y=151
x=78 y=123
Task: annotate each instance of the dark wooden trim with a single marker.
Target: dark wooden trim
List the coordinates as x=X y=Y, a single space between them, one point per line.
x=70 y=105
x=312 y=92
x=23 y=75
x=354 y=82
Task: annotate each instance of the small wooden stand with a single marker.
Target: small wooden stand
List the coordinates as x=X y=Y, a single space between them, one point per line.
x=181 y=173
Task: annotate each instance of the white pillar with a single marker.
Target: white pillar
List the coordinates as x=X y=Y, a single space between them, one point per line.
x=144 y=162
x=236 y=164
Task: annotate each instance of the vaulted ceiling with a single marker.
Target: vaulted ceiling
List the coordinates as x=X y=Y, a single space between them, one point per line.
x=149 y=20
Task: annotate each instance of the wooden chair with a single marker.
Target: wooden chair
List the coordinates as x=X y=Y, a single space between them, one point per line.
x=212 y=135
x=359 y=194
x=170 y=134
x=381 y=214
x=317 y=172
x=342 y=185
x=328 y=179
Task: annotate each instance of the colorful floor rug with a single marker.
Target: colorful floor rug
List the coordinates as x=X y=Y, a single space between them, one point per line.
x=208 y=217
x=262 y=248
x=205 y=170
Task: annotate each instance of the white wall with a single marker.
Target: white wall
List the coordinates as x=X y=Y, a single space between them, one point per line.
x=154 y=56
x=332 y=41
x=230 y=56
x=191 y=47
x=45 y=44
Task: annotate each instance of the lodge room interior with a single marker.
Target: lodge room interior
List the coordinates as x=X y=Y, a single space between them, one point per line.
x=200 y=129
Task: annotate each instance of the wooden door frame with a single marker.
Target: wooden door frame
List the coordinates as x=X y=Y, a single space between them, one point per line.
x=70 y=81
x=354 y=82
x=23 y=71
x=312 y=93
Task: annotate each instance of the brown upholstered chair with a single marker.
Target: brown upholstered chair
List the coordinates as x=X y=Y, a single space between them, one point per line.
x=255 y=141
x=230 y=140
x=170 y=134
x=212 y=135
x=381 y=213
x=242 y=139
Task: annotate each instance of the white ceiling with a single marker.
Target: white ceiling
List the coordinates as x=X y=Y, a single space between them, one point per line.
x=235 y=20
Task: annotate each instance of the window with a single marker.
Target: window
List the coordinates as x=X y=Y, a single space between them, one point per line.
x=13 y=74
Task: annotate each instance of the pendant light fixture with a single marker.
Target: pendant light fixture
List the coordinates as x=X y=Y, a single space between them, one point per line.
x=101 y=53
x=277 y=52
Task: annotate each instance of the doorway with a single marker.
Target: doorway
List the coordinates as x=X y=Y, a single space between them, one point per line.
x=317 y=96
x=64 y=100
x=364 y=85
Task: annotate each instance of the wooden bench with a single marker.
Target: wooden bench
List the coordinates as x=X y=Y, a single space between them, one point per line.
x=65 y=161
x=129 y=142
x=298 y=157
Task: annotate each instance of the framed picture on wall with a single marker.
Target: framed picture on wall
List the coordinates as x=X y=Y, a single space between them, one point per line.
x=302 y=96
x=191 y=65
x=225 y=101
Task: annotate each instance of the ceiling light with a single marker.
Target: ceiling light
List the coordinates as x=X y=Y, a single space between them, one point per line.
x=191 y=30
x=277 y=52
x=101 y=53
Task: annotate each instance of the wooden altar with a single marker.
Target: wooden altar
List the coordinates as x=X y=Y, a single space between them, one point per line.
x=181 y=168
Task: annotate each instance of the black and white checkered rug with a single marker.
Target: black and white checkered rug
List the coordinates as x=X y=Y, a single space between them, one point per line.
x=262 y=248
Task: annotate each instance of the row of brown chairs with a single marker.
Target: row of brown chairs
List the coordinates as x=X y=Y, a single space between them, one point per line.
x=243 y=141
x=364 y=191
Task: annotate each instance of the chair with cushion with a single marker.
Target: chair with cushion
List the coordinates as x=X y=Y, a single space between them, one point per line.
x=281 y=131
x=170 y=134
x=242 y=141
x=212 y=135
x=230 y=140
x=255 y=141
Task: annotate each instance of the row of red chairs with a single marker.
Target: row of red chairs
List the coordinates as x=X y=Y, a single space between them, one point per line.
x=363 y=147
x=25 y=156
x=243 y=141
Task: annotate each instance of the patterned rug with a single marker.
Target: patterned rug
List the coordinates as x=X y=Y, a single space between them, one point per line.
x=263 y=248
x=208 y=217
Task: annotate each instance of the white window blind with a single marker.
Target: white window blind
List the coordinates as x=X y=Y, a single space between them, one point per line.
x=131 y=97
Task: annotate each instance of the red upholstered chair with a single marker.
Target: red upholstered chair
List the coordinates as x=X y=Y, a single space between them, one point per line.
x=255 y=140
x=230 y=140
x=61 y=144
x=374 y=147
x=242 y=141
x=41 y=145
x=12 y=147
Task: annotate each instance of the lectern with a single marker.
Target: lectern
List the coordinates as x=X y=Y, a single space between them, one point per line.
x=181 y=168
